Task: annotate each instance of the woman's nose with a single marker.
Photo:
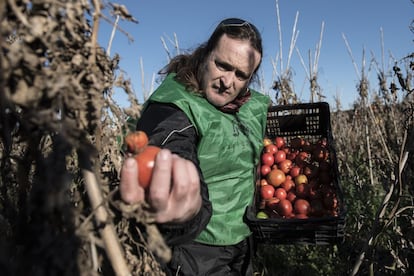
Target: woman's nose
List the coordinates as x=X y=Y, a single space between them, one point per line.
x=227 y=79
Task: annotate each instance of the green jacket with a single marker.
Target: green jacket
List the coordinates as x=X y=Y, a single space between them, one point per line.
x=228 y=150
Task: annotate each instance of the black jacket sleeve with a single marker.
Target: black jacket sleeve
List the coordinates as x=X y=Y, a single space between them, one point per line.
x=168 y=127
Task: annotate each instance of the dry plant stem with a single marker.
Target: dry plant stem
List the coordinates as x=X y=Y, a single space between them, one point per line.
x=17 y=12
x=94 y=37
x=378 y=226
x=368 y=143
x=371 y=113
x=279 y=28
x=112 y=245
x=144 y=92
x=166 y=48
x=156 y=243
x=108 y=51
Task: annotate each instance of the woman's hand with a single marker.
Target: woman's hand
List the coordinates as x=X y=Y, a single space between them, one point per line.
x=174 y=192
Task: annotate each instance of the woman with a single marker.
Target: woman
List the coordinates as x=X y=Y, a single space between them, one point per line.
x=210 y=125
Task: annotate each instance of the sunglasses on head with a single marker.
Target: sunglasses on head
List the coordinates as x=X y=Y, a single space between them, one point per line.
x=237 y=22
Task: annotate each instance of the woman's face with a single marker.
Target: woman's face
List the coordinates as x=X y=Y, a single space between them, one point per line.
x=229 y=69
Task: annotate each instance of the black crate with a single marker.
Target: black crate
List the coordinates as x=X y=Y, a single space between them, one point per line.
x=312 y=122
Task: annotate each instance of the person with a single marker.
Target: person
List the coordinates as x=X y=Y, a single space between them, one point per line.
x=210 y=126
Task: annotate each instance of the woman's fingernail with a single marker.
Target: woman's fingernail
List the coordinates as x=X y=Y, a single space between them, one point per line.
x=163 y=154
x=129 y=163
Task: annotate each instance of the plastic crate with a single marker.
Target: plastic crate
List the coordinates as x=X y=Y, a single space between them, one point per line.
x=312 y=122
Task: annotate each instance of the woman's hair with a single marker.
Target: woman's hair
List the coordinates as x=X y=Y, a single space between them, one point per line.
x=189 y=67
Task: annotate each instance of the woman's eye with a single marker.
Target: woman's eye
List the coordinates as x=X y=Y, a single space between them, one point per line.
x=224 y=67
x=241 y=76
x=221 y=66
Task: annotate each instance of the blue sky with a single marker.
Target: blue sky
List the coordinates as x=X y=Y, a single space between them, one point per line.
x=192 y=22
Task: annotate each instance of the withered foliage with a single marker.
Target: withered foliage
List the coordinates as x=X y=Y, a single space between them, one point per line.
x=58 y=120
x=375 y=149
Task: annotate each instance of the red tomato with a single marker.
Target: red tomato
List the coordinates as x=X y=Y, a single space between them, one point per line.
x=280 y=142
x=295 y=171
x=301 y=216
x=291 y=154
x=320 y=153
x=291 y=195
x=302 y=190
x=307 y=146
x=323 y=142
x=263 y=182
x=146 y=161
x=272 y=203
x=330 y=202
x=268 y=159
x=267 y=191
x=276 y=177
x=288 y=184
x=280 y=193
x=310 y=170
x=264 y=170
x=314 y=190
x=271 y=148
x=301 y=157
x=280 y=156
x=301 y=206
x=285 y=166
x=136 y=141
x=284 y=208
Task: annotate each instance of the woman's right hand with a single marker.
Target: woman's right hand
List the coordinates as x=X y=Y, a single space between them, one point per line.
x=174 y=192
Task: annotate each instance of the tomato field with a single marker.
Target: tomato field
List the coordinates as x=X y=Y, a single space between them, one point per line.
x=61 y=150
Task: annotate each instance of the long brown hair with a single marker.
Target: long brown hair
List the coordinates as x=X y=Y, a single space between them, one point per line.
x=189 y=67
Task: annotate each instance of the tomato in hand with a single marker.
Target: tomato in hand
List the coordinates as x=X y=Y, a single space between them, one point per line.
x=146 y=161
x=136 y=141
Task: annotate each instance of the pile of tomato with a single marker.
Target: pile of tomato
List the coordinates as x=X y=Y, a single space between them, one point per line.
x=296 y=179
